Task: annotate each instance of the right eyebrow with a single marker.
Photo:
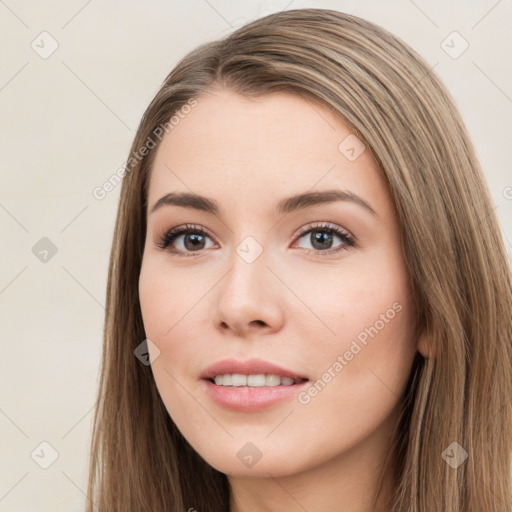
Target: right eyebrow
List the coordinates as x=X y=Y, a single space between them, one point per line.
x=187 y=200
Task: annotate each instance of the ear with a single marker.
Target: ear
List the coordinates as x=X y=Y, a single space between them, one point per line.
x=424 y=344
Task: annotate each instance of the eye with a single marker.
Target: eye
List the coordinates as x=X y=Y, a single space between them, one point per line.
x=320 y=238
x=193 y=239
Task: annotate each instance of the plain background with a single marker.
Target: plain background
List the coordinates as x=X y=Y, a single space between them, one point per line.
x=66 y=125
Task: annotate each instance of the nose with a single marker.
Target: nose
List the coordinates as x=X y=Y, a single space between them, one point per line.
x=250 y=298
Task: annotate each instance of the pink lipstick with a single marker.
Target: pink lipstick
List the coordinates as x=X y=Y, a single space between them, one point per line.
x=252 y=385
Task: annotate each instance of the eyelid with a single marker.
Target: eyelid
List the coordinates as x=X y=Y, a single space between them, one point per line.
x=323 y=225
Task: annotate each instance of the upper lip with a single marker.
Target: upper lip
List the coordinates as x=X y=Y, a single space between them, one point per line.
x=249 y=367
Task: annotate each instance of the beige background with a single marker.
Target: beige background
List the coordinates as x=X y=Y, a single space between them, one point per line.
x=66 y=124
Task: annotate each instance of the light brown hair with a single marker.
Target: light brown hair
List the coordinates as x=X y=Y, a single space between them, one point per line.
x=453 y=249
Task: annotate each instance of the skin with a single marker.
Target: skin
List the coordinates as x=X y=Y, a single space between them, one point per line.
x=295 y=306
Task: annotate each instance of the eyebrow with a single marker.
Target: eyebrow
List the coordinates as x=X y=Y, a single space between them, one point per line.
x=284 y=206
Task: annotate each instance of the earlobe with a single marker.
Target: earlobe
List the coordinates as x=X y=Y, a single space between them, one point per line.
x=424 y=344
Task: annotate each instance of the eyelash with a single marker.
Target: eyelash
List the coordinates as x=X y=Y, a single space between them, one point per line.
x=347 y=240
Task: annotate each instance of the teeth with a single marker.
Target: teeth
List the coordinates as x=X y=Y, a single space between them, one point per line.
x=261 y=380
x=238 y=380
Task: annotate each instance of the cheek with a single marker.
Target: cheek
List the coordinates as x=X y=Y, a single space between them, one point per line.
x=367 y=361
x=343 y=302
x=174 y=313
x=164 y=305
x=164 y=297
x=363 y=344
x=154 y=302
x=360 y=373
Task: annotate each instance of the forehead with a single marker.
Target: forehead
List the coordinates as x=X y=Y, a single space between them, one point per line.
x=231 y=146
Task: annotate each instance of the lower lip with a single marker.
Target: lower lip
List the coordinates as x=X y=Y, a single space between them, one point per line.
x=251 y=399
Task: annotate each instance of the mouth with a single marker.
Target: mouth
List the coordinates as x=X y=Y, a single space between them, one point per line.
x=258 y=380
x=252 y=385
x=252 y=373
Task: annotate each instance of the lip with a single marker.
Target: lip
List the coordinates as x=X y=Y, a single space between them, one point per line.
x=246 y=398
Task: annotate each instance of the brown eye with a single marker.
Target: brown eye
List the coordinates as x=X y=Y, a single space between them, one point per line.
x=184 y=240
x=322 y=239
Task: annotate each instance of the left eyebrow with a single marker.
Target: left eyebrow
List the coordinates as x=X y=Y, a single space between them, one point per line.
x=307 y=199
x=284 y=206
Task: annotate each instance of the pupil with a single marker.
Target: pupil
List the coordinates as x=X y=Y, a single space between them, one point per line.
x=319 y=239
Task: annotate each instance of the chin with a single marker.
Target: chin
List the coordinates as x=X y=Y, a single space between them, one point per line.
x=261 y=469
x=253 y=459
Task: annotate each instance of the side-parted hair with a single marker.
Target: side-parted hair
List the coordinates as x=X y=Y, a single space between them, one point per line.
x=453 y=248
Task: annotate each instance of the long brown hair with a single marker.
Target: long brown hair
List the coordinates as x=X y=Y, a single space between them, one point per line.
x=452 y=244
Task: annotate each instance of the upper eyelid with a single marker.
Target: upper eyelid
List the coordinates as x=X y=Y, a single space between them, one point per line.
x=323 y=225
x=179 y=230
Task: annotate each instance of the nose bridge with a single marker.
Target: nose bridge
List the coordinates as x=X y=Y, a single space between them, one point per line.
x=248 y=270
x=247 y=295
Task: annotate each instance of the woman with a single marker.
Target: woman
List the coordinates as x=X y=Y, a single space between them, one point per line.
x=370 y=369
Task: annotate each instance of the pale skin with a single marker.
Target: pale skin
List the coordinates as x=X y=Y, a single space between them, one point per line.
x=299 y=305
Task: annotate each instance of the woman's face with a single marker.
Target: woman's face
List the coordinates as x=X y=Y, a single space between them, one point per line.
x=314 y=285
